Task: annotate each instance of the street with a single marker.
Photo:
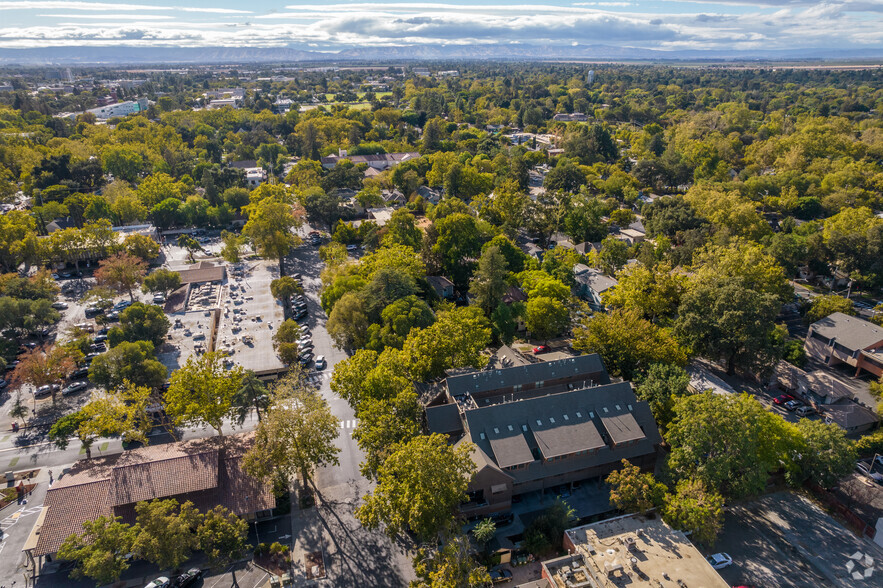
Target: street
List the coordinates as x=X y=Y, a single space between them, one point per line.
x=352 y=555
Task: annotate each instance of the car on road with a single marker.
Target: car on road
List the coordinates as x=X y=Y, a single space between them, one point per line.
x=782 y=399
x=793 y=405
x=719 y=560
x=805 y=411
x=541 y=349
x=3 y=383
x=188 y=578
x=59 y=305
x=320 y=364
x=500 y=576
x=161 y=582
x=74 y=388
x=46 y=390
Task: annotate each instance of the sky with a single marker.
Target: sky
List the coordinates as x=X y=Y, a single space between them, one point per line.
x=650 y=24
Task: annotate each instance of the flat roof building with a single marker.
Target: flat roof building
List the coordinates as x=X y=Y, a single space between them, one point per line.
x=633 y=550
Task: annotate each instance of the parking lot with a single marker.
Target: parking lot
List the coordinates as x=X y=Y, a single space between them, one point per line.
x=784 y=540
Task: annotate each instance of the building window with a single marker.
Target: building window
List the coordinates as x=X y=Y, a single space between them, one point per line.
x=539 y=384
x=819 y=337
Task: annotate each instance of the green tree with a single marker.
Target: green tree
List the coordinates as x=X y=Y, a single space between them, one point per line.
x=726 y=320
x=729 y=442
x=383 y=425
x=546 y=317
x=694 y=508
x=122 y=273
x=101 y=551
x=285 y=341
x=201 y=392
x=252 y=394
x=654 y=292
x=613 y=255
x=823 y=306
x=322 y=208
x=140 y=322
x=661 y=387
x=420 y=486
x=398 y=318
x=45 y=365
x=166 y=532
x=231 y=251
x=296 y=435
x=459 y=240
x=189 y=243
x=544 y=534
x=448 y=565
x=283 y=289
x=128 y=361
x=484 y=531
x=402 y=230
x=348 y=323
x=162 y=281
x=455 y=339
x=489 y=281
x=222 y=536
x=824 y=455
x=142 y=247
x=269 y=228
x=628 y=343
x=634 y=491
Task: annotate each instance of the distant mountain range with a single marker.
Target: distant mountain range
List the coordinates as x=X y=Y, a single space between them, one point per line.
x=186 y=55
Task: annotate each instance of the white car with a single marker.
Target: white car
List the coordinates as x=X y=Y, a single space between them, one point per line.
x=161 y=582
x=719 y=560
x=321 y=364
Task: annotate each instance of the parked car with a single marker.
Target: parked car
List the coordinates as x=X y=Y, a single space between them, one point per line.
x=352 y=247
x=88 y=327
x=99 y=339
x=321 y=364
x=793 y=405
x=161 y=582
x=92 y=311
x=113 y=316
x=805 y=411
x=59 y=305
x=541 y=349
x=306 y=358
x=79 y=374
x=74 y=388
x=3 y=383
x=719 y=560
x=866 y=470
x=122 y=305
x=46 y=390
x=98 y=347
x=501 y=576
x=782 y=399
x=188 y=578
x=159 y=299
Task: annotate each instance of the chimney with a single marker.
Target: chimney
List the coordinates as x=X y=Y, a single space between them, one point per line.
x=341 y=152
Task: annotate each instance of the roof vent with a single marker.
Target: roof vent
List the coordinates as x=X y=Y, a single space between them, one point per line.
x=482 y=435
x=539 y=422
x=566 y=418
x=496 y=431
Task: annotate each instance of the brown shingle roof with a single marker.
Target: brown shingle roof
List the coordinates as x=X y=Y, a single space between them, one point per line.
x=204 y=271
x=207 y=472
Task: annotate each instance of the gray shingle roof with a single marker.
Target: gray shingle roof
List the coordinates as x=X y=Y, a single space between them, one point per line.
x=560 y=424
x=478 y=382
x=851 y=332
x=444 y=419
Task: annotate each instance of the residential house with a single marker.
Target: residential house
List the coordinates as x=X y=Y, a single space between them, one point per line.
x=574 y=117
x=533 y=250
x=207 y=472
x=442 y=286
x=850 y=416
x=428 y=194
x=255 y=176
x=380 y=215
x=393 y=198
x=538 y=426
x=591 y=284
x=380 y=161
x=840 y=338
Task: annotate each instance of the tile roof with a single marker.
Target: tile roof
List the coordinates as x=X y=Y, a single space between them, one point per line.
x=160 y=479
x=849 y=331
x=73 y=505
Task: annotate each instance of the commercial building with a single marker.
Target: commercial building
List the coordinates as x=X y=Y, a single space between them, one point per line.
x=840 y=338
x=207 y=472
x=542 y=425
x=119 y=109
x=633 y=550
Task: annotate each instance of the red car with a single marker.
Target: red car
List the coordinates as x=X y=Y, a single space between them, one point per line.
x=780 y=400
x=541 y=349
